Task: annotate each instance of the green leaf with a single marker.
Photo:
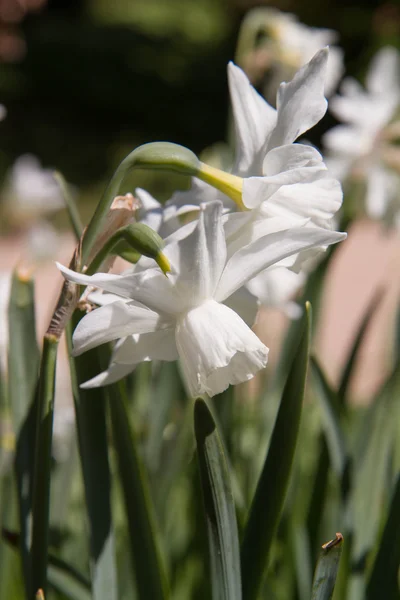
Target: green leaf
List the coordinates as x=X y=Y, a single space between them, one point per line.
x=70 y=205
x=383 y=582
x=149 y=570
x=271 y=489
x=218 y=506
x=353 y=354
x=371 y=467
x=56 y=564
x=331 y=419
x=42 y=466
x=90 y=409
x=70 y=587
x=23 y=372
x=24 y=356
x=167 y=387
x=319 y=487
x=327 y=568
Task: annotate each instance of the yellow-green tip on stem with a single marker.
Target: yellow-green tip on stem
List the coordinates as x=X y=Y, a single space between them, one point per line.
x=229 y=184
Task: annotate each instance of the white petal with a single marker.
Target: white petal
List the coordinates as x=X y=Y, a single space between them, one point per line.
x=384 y=71
x=287 y=165
x=150 y=287
x=259 y=225
x=217 y=349
x=129 y=352
x=378 y=192
x=254 y=121
x=100 y=298
x=276 y=286
x=318 y=201
x=157 y=345
x=301 y=103
x=202 y=256
x=291 y=158
x=114 y=373
x=245 y=304
x=151 y=211
x=268 y=250
x=349 y=141
x=113 y=321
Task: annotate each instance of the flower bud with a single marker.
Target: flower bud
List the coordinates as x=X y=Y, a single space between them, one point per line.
x=146 y=241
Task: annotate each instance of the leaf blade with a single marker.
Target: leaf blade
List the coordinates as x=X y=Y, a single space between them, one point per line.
x=271 y=489
x=327 y=568
x=218 y=506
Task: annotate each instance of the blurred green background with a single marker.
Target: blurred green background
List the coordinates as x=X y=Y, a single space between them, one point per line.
x=84 y=81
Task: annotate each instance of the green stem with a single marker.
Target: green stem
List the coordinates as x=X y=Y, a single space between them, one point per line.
x=157 y=155
x=42 y=466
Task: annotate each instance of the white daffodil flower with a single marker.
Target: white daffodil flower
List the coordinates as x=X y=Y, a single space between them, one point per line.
x=365 y=146
x=194 y=313
x=289 y=44
x=31 y=191
x=284 y=184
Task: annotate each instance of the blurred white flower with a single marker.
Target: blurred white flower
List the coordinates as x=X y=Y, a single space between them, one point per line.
x=194 y=313
x=41 y=242
x=364 y=148
x=288 y=45
x=276 y=288
x=31 y=191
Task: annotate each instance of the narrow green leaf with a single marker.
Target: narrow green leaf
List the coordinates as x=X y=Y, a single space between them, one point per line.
x=327 y=568
x=151 y=580
x=90 y=409
x=42 y=466
x=71 y=588
x=58 y=564
x=384 y=582
x=302 y=557
x=318 y=496
x=219 y=507
x=167 y=386
x=372 y=465
x=271 y=489
x=354 y=351
x=71 y=207
x=331 y=419
x=23 y=372
x=24 y=356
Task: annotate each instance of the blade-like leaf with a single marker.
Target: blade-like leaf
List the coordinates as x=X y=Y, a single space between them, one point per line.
x=90 y=409
x=150 y=574
x=358 y=340
x=372 y=465
x=42 y=466
x=271 y=490
x=318 y=496
x=331 y=419
x=70 y=205
x=24 y=356
x=167 y=387
x=218 y=506
x=383 y=582
x=327 y=568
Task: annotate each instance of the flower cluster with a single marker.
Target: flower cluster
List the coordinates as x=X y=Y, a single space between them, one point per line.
x=365 y=148
x=224 y=249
